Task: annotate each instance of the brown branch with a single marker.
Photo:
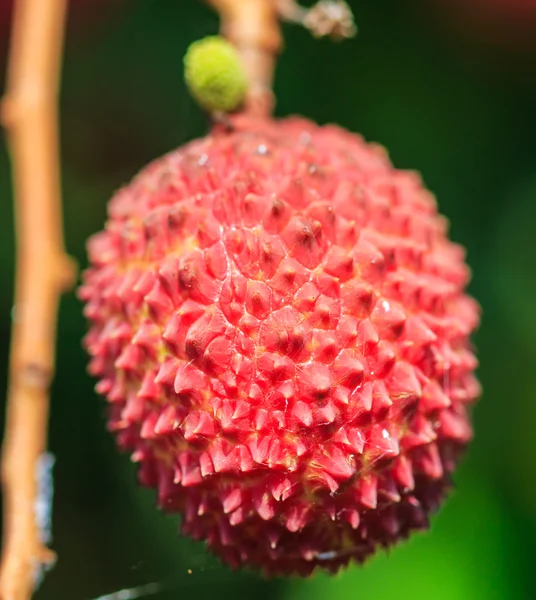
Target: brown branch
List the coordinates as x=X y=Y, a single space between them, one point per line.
x=29 y=112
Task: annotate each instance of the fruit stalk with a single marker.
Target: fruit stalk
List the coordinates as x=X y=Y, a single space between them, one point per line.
x=29 y=113
x=253 y=27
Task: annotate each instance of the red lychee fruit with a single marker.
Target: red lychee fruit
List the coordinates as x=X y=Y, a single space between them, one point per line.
x=279 y=324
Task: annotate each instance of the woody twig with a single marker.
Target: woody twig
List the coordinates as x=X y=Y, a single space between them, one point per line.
x=29 y=113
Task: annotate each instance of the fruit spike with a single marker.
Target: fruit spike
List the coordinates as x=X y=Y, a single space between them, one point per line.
x=280 y=325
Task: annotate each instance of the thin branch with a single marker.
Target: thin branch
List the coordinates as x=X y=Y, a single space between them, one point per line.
x=29 y=112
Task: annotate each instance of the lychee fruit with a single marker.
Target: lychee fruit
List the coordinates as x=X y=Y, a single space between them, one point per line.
x=279 y=324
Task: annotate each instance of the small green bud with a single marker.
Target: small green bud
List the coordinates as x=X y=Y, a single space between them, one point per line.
x=215 y=75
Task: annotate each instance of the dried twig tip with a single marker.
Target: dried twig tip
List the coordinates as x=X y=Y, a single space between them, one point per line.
x=331 y=18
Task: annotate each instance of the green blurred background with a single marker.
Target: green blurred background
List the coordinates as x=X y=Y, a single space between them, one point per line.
x=446 y=97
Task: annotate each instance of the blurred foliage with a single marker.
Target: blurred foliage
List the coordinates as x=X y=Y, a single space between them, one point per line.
x=458 y=109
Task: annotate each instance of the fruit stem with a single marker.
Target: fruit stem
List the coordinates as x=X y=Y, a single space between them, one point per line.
x=43 y=271
x=253 y=26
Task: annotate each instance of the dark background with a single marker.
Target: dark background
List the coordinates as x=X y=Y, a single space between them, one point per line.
x=450 y=94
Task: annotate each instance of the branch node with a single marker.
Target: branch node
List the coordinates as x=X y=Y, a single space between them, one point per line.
x=35 y=376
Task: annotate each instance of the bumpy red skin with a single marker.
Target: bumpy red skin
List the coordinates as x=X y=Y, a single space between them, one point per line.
x=279 y=324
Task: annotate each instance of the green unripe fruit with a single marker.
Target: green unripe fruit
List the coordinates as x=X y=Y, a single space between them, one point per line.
x=215 y=75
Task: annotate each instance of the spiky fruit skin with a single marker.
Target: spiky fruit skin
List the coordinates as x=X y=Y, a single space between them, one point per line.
x=279 y=324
